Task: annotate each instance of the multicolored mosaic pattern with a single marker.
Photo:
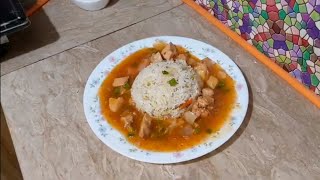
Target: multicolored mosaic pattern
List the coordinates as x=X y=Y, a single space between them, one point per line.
x=287 y=31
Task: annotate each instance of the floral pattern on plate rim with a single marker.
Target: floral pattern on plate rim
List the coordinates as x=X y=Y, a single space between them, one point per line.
x=116 y=141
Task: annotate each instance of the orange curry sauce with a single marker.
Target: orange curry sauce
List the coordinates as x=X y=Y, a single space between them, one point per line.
x=224 y=96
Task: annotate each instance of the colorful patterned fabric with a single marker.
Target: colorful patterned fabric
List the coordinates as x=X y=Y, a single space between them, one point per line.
x=287 y=31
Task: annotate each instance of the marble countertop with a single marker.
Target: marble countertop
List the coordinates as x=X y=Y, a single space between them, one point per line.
x=42 y=87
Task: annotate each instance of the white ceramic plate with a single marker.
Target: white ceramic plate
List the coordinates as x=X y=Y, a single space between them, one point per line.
x=116 y=141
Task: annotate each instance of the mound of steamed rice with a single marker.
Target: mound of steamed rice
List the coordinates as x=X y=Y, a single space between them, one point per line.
x=152 y=93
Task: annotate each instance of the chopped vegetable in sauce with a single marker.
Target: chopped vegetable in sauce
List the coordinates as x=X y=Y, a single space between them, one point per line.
x=165 y=72
x=126 y=85
x=131 y=134
x=220 y=84
x=173 y=82
x=196 y=131
x=117 y=91
x=201 y=116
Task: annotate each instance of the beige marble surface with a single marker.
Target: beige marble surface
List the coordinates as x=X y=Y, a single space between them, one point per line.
x=43 y=106
x=9 y=166
x=62 y=25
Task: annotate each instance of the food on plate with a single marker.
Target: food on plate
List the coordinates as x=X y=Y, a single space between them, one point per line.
x=164 y=98
x=160 y=88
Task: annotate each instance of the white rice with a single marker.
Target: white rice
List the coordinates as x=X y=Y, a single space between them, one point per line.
x=153 y=94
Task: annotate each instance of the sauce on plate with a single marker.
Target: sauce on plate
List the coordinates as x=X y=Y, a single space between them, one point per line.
x=224 y=100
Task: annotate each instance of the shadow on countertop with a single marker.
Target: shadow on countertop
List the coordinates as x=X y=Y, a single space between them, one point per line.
x=10 y=169
x=40 y=33
x=27 y=3
x=112 y=2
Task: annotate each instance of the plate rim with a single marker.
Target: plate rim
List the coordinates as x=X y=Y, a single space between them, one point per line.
x=170 y=160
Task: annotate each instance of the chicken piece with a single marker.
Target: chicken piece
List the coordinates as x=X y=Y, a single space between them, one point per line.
x=202 y=102
x=212 y=82
x=115 y=103
x=205 y=101
x=196 y=109
x=207 y=92
x=192 y=62
x=202 y=70
x=156 y=57
x=202 y=106
x=120 y=81
x=182 y=57
x=169 y=51
x=199 y=111
x=204 y=113
x=221 y=75
x=145 y=127
x=208 y=62
x=127 y=120
x=209 y=99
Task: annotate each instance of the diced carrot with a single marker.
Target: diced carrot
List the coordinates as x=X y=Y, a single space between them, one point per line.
x=186 y=104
